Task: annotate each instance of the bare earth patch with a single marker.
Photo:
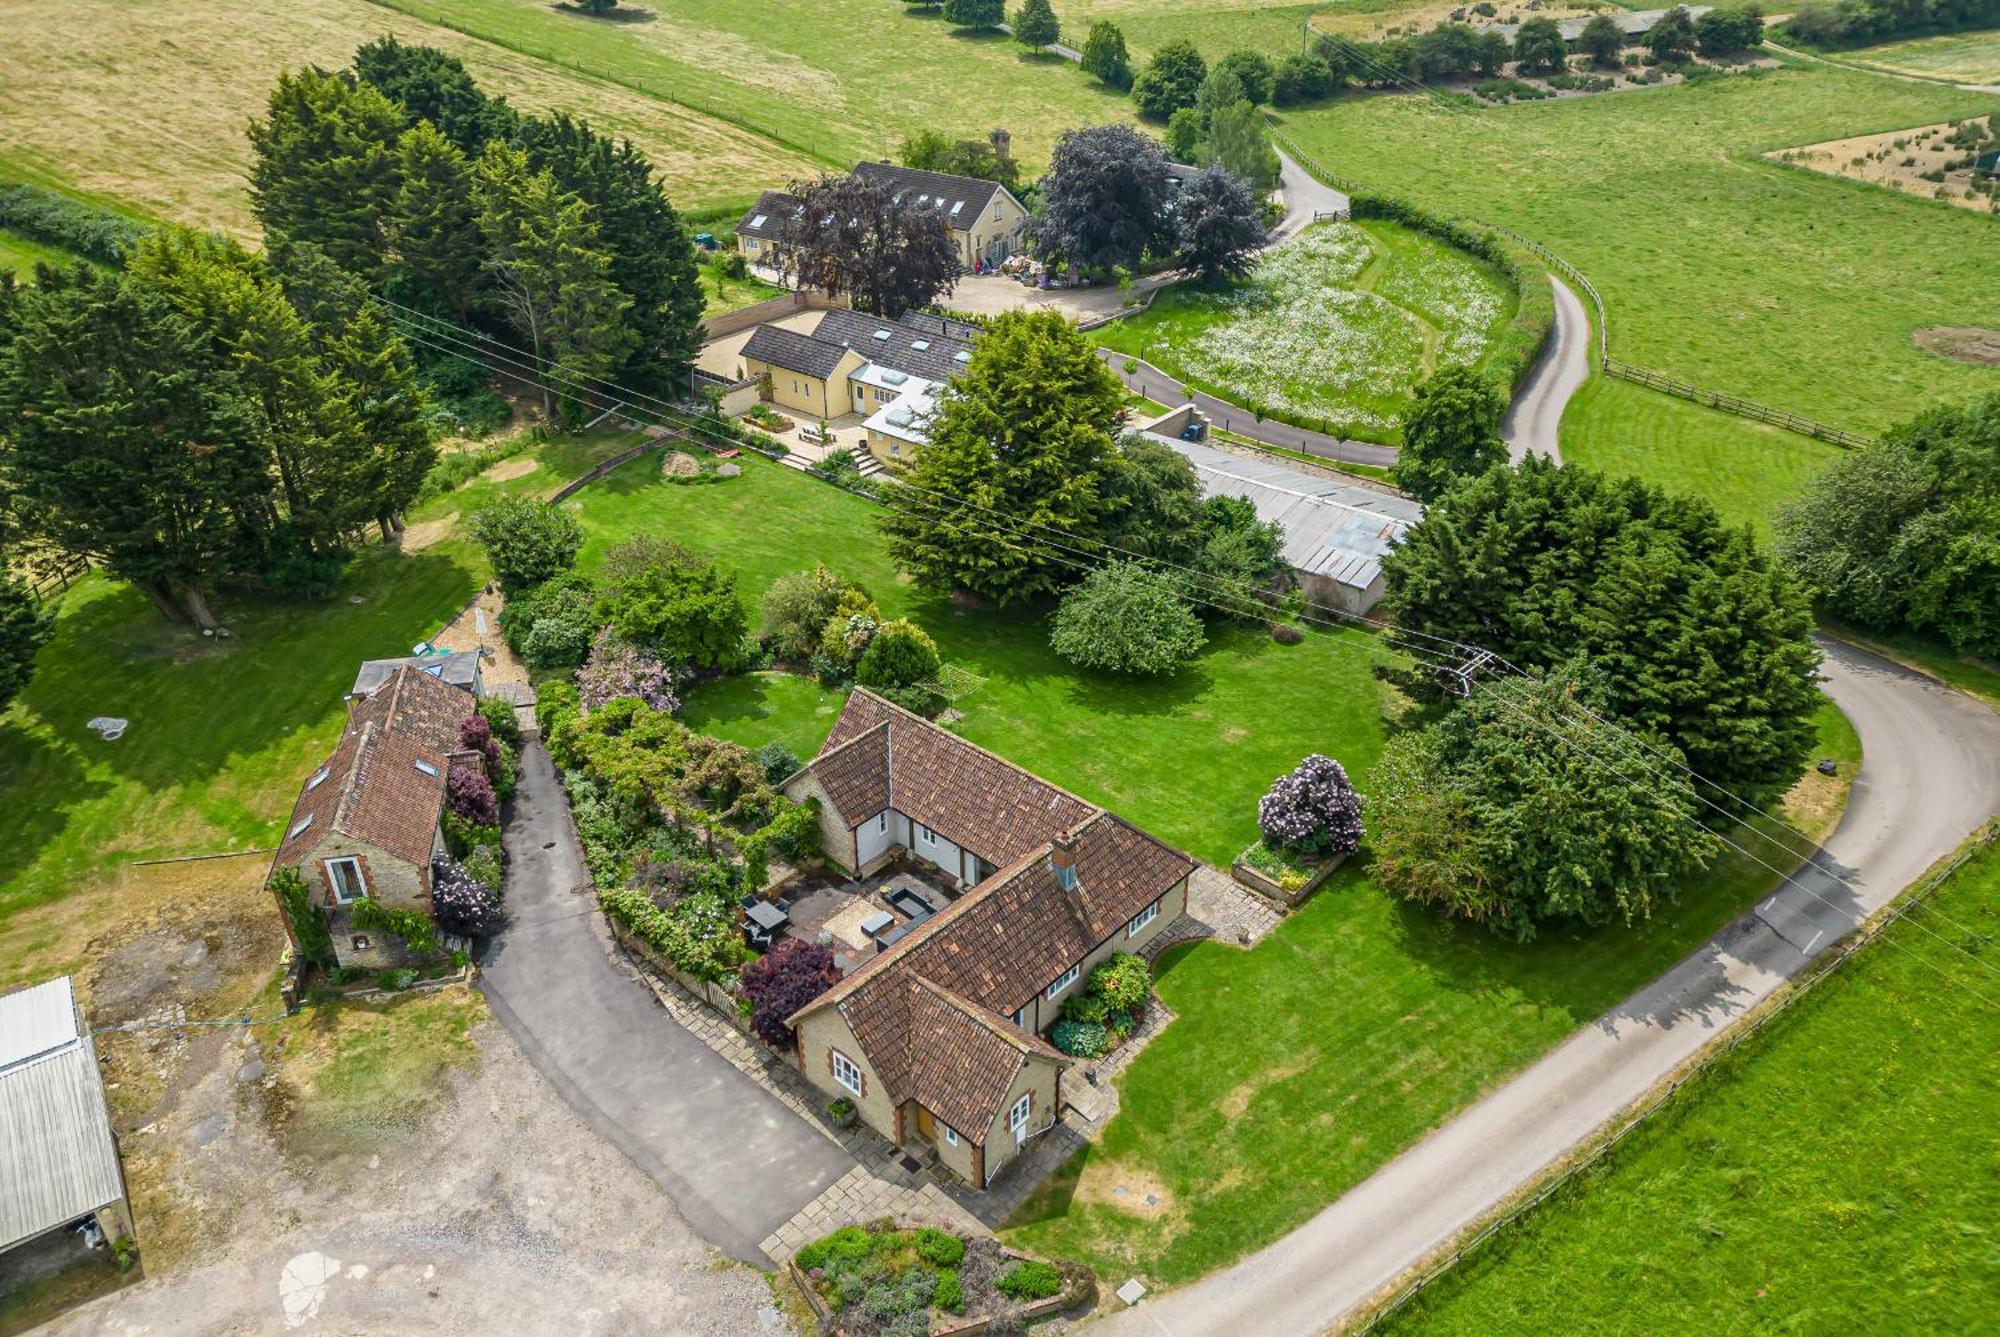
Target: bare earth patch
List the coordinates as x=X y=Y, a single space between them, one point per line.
x=424 y=533
x=1961 y=343
x=1897 y=159
x=518 y=467
x=1124 y=1188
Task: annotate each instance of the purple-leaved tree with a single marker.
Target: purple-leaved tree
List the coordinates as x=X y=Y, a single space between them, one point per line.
x=462 y=904
x=1314 y=810
x=470 y=794
x=782 y=981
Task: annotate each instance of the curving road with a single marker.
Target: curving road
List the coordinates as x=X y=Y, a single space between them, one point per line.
x=1930 y=776
x=1533 y=425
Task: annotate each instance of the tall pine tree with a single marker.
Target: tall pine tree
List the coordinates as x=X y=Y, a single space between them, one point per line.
x=434 y=230
x=325 y=169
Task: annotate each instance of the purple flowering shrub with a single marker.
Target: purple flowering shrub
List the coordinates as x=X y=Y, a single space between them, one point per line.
x=470 y=794
x=782 y=981
x=1314 y=810
x=461 y=903
x=618 y=668
x=475 y=734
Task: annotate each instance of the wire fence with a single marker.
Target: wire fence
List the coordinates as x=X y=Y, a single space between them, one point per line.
x=1735 y=405
x=1831 y=962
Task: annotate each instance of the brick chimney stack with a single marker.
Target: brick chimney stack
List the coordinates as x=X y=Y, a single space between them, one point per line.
x=1062 y=861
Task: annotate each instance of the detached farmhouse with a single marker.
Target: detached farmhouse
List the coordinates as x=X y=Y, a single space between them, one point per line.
x=938 y=1037
x=366 y=824
x=985 y=218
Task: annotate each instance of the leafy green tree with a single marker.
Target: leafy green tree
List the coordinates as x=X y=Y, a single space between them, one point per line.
x=935 y=151
x=1222 y=88
x=434 y=233
x=325 y=166
x=975 y=13
x=25 y=627
x=1105 y=57
x=673 y=603
x=1127 y=618
x=1539 y=47
x=1672 y=38
x=1238 y=143
x=1727 y=29
x=1254 y=74
x=1905 y=534
x=1104 y=201
x=431 y=85
x=1183 y=137
x=1239 y=560
x=1304 y=78
x=325 y=296
x=1024 y=437
x=1700 y=636
x=1171 y=80
x=900 y=654
x=651 y=250
x=797 y=608
x=1603 y=40
x=1152 y=502
x=550 y=273
x=1217 y=228
x=126 y=441
x=1035 y=25
x=1452 y=431
x=597 y=6
x=526 y=541
x=1518 y=809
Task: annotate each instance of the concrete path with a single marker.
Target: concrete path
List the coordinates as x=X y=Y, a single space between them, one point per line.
x=1304 y=195
x=1931 y=775
x=1068 y=53
x=1534 y=420
x=1161 y=388
x=735 y=1161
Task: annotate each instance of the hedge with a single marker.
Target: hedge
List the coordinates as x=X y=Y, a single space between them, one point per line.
x=71 y=225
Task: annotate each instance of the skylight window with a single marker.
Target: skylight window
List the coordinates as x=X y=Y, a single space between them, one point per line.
x=319 y=778
x=424 y=768
x=920 y=344
x=758 y=221
x=956 y=206
x=923 y=199
x=893 y=377
x=962 y=355
x=883 y=335
x=300 y=825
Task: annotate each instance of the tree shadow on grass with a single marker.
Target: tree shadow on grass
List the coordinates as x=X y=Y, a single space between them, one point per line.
x=43 y=780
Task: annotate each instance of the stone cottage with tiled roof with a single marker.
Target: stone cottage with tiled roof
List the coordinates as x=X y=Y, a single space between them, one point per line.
x=366 y=823
x=937 y=1039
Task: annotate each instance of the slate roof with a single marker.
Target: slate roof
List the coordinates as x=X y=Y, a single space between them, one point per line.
x=766 y=218
x=963 y=792
x=932 y=1012
x=802 y=353
x=57 y=1157
x=961 y=199
x=385 y=782
x=459 y=669
x=909 y=347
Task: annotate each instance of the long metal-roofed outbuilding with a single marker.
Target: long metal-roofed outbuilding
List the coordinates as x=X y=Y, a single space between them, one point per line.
x=58 y=1160
x=1335 y=533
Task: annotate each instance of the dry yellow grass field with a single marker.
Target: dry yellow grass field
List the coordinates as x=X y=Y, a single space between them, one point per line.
x=145 y=101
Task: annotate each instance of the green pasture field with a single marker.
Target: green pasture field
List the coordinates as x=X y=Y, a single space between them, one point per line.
x=833 y=80
x=1965 y=58
x=1742 y=275
x=1334 y=328
x=1835 y=1174
x=20 y=255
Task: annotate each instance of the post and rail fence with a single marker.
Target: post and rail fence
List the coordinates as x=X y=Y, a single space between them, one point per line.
x=1735 y=405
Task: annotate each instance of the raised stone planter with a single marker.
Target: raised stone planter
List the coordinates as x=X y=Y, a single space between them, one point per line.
x=1271 y=890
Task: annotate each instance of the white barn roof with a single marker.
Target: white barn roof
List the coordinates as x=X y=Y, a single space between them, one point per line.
x=57 y=1159
x=1331 y=529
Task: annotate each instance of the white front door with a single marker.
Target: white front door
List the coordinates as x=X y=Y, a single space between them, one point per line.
x=1017 y=1118
x=859 y=407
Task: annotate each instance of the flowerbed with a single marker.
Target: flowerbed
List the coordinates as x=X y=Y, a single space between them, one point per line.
x=879 y=1281
x=1283 y=874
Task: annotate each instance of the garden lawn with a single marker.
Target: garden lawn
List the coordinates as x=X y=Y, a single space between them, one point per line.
x=834 y=80
x=726 y=294
x=145 y=101
x=1186 y=758
x=1835 y=1174
x=1746 y=469
x=1333 y=329
x=1742 y=275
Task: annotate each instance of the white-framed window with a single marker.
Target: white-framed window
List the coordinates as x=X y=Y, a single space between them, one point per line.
x=1017 y=1118
x=348 y=883
x=1143 y=918
x=845 y=1072
x=1064 y=980
x=882 y=820
x=950 y=1134
x=926 y=835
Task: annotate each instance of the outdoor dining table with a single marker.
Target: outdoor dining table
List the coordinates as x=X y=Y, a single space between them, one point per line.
x=767 y=916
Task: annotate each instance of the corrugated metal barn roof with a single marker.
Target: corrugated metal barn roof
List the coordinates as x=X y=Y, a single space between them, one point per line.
x=1331 y=529
x=57 y=1159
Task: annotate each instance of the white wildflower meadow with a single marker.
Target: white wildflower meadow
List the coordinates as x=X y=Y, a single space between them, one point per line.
x=1299 y=339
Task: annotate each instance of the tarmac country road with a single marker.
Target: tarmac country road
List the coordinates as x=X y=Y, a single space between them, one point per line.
x=1930 y=776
